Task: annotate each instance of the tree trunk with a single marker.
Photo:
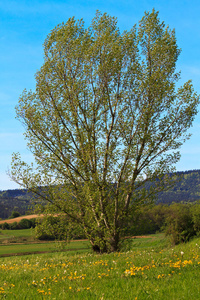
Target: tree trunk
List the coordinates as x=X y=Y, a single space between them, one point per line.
x=102 y=244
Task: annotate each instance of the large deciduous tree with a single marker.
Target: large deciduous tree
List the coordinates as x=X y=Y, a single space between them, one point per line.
x=106 y=117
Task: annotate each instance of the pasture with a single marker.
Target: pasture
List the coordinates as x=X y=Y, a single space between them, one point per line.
x=150 y=269
x=20 y=242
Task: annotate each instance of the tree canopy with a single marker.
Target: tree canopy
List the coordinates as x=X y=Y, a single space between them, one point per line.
x=105 y=118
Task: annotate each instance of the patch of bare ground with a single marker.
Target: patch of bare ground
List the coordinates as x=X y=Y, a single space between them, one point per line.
x=18 y=219
x=140 y=237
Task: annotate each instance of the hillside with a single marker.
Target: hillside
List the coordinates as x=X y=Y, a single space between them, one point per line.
x=186 y=189
x=19 y=200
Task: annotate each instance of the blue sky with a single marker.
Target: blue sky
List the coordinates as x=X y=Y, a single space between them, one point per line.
x=24 y=26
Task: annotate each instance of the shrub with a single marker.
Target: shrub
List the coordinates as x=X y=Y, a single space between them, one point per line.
x=147 y=219
x=33 y=222
x=24 y=224
x=195 y=210
x=56 y=228
x=14 y=226
x=14 y=214
x=179 y=224
x=5 y=226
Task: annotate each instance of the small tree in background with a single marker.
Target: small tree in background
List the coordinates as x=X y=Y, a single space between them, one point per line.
x=14 y=214
x=179 y=223
x=57 y=227
x=105 y=119
x=195 y=210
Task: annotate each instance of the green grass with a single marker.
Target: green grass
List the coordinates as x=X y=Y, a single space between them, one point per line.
x=156 y=240
x=16 y=234
x=41 y=247
x=150 y=270
x=22 y=241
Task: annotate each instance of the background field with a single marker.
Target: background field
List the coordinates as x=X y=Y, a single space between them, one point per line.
x=22 y=241
x=13 y=242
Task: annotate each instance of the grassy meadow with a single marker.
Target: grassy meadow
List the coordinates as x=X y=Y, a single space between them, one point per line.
x=151 y=269
x=16 y=242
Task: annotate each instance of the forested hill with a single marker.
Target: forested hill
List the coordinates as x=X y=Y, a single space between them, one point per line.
x=19 y=200
x=187 y=189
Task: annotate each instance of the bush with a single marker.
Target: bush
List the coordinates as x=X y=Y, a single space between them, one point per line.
x=46 y=228
x=5 y=226
x=14 y=226
x=24 y=224
x=147 y=219
x=179 y=224
x=195 y=210
x=33 y=222
x=56 y=228
x=14 y=214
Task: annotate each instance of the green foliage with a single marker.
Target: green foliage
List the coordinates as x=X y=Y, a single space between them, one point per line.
x=179 y=223
x=15 y=200
x=33 y=222
x=147 y=219
x=22 y=224
x=50 y=228
x=185 y=189
x=4 y=226
x=14 y=226
x=183 y=222
x=57 y=228
x=195 y=210
x=14 y=214
x=25 y=224
x=105 y=119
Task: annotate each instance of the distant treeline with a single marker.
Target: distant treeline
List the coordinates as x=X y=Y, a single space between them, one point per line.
x=186 y=189
x=22 y=224
x=179 y=221
x=7 y=205
x=16 y=200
